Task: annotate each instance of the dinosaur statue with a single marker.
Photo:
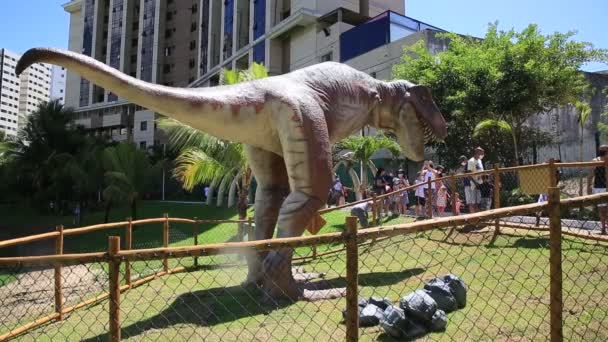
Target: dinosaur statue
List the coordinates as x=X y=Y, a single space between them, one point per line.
x=287 y=123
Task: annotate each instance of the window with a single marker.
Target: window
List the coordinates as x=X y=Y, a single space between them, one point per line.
x=168 y=33
x=143 y=126
x=167 y=68
x=194 y=8
x=327 y=57
x=142 y=145
x=192 y=27
x=192 y=63
x=192 y=44
x=168 y=51
x=169 y=16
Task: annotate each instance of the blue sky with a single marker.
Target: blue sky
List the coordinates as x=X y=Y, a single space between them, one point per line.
x=48 y=25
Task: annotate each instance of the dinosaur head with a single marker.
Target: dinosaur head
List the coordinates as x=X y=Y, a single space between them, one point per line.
x=413 y=117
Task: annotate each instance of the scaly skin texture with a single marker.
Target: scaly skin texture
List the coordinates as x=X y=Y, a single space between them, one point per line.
x=288 y=124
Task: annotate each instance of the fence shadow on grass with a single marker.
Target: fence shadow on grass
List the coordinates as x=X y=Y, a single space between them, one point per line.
x=210 y=307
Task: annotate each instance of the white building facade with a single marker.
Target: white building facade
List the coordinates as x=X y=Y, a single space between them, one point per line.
x=21 y=95
x=58 y=74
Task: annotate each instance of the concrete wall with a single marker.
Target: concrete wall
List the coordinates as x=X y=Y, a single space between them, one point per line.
x=563 y=124
x=146 y=135
x=72 y=91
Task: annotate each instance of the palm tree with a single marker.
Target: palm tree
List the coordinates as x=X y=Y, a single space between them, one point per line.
x=41 y=149
x=127 y=173
x=583 y=110
x=204 y=159
x=503 y=127
x=362 y=148
x=4 y=147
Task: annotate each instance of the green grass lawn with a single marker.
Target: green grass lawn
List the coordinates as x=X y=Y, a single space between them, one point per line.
x=507 y=299
x=150 y=235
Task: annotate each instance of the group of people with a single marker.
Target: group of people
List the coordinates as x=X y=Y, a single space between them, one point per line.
x=478 y=190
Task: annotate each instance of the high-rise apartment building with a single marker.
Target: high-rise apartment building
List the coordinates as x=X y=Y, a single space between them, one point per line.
x=58 y=74
x=188 y=42
x=20 y=95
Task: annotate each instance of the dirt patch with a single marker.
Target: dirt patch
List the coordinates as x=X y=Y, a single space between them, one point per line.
x=32 y=294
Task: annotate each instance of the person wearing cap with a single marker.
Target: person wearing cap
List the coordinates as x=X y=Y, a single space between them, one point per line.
x=596 y=183
x=471 y=192
x=336 y=191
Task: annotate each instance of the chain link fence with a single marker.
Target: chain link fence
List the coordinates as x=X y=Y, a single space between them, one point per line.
x=504 y=254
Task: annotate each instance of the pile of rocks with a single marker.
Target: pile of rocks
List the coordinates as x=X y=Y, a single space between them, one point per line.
x=417 y=313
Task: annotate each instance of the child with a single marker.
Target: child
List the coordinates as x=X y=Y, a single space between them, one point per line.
x=457 y=204
x=396 y=198
x=420 y=197
x=442 y=199
x=486 y=188
x=404 y=197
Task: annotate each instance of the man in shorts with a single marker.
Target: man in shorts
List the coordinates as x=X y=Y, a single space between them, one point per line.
x=596 y=183
x=471 y=192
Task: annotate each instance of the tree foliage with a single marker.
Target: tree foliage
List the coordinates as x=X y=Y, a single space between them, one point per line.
x=205 y=159
x=360 y=150
x=127 y=174
x=51 y=159
x=507 y=76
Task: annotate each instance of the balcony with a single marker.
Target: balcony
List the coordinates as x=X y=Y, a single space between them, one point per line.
x=383 y=29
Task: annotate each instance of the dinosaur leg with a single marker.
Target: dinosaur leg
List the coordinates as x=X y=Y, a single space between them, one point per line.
x=272 y=188
x=306 y=151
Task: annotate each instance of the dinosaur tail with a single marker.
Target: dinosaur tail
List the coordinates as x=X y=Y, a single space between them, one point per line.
x=161 y=99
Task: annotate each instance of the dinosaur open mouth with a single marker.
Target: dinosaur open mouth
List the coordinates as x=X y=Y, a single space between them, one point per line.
x=429 y=132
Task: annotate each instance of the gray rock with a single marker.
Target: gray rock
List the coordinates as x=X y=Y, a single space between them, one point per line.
x=399 y=326
x=439 y=321
x=370 y=316
x=458 y=289
x=394 y=323
x=419 y=305
x=362 y=302
x=380 y=302
x=414 y=329
x=440 y=292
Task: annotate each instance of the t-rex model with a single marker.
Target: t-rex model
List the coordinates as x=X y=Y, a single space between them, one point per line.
x=287 y=124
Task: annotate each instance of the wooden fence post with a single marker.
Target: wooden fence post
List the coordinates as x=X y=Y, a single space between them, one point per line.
x=128 y=246
x=555 y=261
x=552 y=173
x=314 y=247
x=250 y=232
x=352 y=280
x=453 y=190
x=429 y=198
x=58 y=280
x=375 y=213
x=195 y=233
x=114 y=278
x=496 y=198
x=166 y=241
x=605 y=171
